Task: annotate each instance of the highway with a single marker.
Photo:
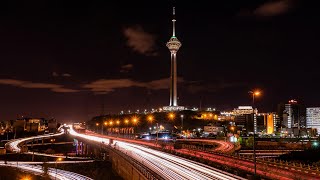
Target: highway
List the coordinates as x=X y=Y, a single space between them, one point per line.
x=52 y=172
x=268 y=169
x=36 y=168
x=14 y=144
x=54 y=156
x=164 y=164
x=223 y=146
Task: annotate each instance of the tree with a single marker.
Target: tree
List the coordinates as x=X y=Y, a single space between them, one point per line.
x=249 y=142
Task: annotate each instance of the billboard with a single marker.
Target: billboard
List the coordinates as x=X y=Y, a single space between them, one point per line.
x=212 y=129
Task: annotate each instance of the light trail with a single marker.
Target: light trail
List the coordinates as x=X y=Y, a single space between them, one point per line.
x=54 y=156
x=222 y=145
x=14 y=144
x=52 y=172
x=49 y=162
x=164 y=164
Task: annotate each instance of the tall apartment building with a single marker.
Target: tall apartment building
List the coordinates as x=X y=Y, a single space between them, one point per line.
x=313 y=118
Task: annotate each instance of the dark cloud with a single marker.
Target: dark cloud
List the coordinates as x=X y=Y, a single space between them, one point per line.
x=140 y=41
x=33 y=85
x=199 y=86
x=126 y=68
x=55 y=74
x=161 y=84
x=109 y=85
x=66 y=75
x=274 y=8
x=104 y=86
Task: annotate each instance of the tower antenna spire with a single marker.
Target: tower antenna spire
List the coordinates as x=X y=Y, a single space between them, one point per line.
x=173 y=22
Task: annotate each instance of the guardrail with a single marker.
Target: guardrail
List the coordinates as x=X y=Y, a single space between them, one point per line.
x=144 y=170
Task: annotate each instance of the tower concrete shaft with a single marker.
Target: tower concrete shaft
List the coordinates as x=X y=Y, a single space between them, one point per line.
x=173 y=45
x=173 y=78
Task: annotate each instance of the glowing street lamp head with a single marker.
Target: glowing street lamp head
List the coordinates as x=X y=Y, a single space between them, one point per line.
x=171 y=116
x=106 y=123
x=150 y=118
x=257 y=93
x=111 y=123
x=135 y=120
x=118 y=122
x=26 y=178
x=97 y=124
x=59 y=159
x=126 y=121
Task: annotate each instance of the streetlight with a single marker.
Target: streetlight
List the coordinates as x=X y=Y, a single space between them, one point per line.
x=150 y=118
x=254 y=93
x=232 y=129
x=157 y=135
x=135 y=122
x=126 y=121
x=106 y=124
x=118 y=124
x=26 y=178
x=181 y=122
x=59 y=159
x=171 y=116
x=97 y=124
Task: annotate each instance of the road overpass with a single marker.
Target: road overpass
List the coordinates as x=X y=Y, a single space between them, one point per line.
x=14 y=145
x=164 y=164
x=54 y=173
x=269 y=168
x=35 y=167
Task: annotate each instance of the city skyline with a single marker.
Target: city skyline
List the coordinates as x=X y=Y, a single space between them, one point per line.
x=63 y=60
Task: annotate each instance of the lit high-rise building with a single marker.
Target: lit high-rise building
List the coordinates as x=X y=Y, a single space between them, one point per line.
x=313 y=118
x=271 y=123
x=294 y=115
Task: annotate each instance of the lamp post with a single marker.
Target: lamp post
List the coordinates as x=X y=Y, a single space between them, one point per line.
x=102 y=128
x=118 y=124
x=97 y=124
x=134 y=121
x=106 y=124
x=126 y=121
x=111 y=128
x=157 y=135
x=59 y=159
x=181 y=122
x=150 y=119
x=254 y=93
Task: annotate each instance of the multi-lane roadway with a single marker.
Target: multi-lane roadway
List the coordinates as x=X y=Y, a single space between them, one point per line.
x=14 y=144
x=164 y=164
x=52 y=172
x=35 y=167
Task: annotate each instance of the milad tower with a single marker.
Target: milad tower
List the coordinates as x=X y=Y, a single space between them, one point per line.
x=173 y=45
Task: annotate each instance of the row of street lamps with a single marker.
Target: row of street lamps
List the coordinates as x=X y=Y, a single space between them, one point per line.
x=135 y=120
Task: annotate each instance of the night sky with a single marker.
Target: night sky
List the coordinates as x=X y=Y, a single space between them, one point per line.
x=63 y=59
